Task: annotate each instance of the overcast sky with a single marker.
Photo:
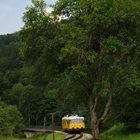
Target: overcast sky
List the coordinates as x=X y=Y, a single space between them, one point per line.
x=11 y=12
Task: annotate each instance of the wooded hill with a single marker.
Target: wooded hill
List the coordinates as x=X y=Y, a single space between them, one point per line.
x=87 y=63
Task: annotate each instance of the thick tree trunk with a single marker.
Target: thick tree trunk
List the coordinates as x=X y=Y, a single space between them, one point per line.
x=94 y=119
x=95 y=132
x=95 y=126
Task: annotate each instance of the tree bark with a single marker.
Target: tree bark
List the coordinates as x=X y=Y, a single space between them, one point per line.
x=95 y=126
x=95 y=121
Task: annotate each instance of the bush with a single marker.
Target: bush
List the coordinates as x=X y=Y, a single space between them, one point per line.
x=11 y=121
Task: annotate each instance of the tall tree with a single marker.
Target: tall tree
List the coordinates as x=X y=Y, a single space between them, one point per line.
x=38 y=55
x=98 y=38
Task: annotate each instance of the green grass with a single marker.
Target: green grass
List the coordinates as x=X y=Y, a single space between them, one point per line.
x=58 y=136
x=118 y=132
x=10 y=138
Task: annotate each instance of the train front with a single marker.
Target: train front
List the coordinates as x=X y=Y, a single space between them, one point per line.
x=73 y=123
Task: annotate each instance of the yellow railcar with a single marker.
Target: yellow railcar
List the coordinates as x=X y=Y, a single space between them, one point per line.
x=72 y=123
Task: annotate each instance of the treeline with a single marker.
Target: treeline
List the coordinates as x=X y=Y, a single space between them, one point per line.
x=83 y=58
x=11 y=120
x=17 y=89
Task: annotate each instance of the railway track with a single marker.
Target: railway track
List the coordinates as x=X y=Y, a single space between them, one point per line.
x=75 y=137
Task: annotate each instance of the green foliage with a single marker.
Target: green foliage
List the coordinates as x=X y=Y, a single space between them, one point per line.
x=118 y=132
x=37 y=31
x=128 y=111
x=9 y=57
x=100 y=40
x=9 y=61
x=11 y=120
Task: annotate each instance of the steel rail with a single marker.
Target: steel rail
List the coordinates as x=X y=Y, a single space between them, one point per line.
x=73 y=137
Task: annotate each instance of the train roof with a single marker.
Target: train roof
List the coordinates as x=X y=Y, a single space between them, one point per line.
x=72 y=117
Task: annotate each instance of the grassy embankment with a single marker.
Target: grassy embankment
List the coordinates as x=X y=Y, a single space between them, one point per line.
x=118 y=132
x=38 y=137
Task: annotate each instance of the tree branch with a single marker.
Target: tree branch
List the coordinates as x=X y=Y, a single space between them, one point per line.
x=90 y=103
x=107 y=107
x=93 y=106
x=95 y=102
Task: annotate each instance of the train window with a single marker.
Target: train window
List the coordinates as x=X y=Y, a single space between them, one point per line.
x=76 y=121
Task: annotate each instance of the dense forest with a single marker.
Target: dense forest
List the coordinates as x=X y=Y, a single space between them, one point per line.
x=83 y=58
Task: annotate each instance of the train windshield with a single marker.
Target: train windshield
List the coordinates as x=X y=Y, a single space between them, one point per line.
x=76 y=121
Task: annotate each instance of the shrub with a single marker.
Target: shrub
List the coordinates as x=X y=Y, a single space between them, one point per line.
x=11 y=121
